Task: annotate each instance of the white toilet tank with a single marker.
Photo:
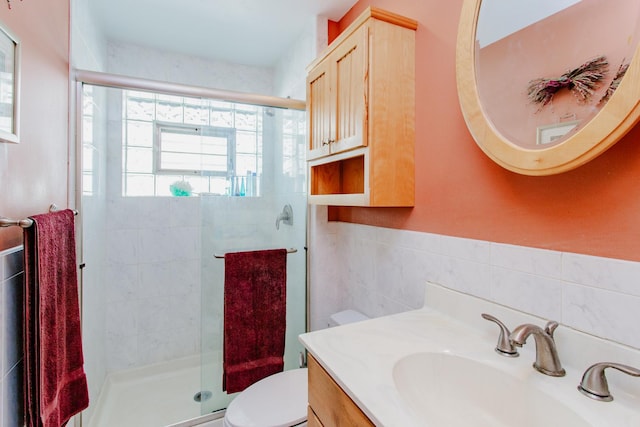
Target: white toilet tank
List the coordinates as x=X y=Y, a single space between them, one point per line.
x=346 y=316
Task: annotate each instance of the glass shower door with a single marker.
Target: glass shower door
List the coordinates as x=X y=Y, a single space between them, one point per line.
x=162 y=193
x=268 y=172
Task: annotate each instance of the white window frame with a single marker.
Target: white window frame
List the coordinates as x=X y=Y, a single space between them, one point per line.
x=178 y=128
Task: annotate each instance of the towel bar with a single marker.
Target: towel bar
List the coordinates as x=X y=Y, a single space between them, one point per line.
x=26 y=222
x=289 y=251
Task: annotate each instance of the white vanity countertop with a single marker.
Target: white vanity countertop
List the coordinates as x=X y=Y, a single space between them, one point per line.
x=361 y=356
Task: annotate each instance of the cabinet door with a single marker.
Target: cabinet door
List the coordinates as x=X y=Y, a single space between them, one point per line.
x=320 y=110
x=312 y=419
x=330 y=403
x=351 y=84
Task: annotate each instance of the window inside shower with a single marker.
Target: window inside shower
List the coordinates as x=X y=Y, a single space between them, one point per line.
x=153 y=290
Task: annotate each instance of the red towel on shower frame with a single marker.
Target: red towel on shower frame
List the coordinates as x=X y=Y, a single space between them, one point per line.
x=254 y=316
x=55 y=381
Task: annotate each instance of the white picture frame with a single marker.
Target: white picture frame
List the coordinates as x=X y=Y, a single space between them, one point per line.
x=549 y=134
x=9 y=86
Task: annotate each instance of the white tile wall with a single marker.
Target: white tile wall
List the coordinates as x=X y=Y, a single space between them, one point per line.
x=382 y=271
x=152 y=280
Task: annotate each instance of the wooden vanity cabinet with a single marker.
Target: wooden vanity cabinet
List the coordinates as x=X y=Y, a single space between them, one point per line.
x=361 y=114
x=329 y=405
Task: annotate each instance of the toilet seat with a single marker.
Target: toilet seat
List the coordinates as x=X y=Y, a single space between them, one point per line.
x=279 y=400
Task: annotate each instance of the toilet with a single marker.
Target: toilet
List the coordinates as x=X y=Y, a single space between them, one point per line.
x=279 y=400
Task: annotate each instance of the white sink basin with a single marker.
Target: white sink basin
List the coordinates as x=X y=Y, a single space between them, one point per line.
x=435 y=367
x=443 y=389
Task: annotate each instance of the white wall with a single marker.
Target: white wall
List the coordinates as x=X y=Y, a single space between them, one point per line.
x=290 y=71
x=137 y=61
x=88 y=45
x=34 y=173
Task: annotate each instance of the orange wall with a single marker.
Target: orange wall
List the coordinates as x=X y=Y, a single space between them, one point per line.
x=333 y=30
x=594 y=209
x=33 y=174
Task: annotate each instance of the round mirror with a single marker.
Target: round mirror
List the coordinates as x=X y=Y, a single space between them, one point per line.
x=547 y=85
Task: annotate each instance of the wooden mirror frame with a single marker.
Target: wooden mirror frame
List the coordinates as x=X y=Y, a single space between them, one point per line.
x=611 y=123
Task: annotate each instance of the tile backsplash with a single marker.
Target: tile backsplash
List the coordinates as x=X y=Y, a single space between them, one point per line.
x=11 y=311
x=381 y=271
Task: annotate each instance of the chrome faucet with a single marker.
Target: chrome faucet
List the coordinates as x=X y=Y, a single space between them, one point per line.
x=594 y=382
x=547 y=360
x=504 y=346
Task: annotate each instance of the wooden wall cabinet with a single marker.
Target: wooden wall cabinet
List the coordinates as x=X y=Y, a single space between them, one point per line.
x=329 y=405
x=361 y=114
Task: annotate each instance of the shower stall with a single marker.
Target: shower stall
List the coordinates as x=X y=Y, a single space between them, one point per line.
x=170 y=178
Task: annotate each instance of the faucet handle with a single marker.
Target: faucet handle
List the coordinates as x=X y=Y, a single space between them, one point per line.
x=594 y=382
x=550 y=328
x=504 y=347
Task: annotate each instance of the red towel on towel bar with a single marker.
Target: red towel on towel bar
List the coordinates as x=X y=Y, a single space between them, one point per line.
x=254 y=316
x=55 y=381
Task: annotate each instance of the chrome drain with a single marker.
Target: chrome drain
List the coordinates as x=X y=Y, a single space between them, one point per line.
x=201 y=396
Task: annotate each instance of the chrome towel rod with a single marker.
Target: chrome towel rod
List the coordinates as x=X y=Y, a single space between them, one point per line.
x=26 y=222
x=289 y=251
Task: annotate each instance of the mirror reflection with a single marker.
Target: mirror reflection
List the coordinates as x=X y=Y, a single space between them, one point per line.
x=544 y=68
